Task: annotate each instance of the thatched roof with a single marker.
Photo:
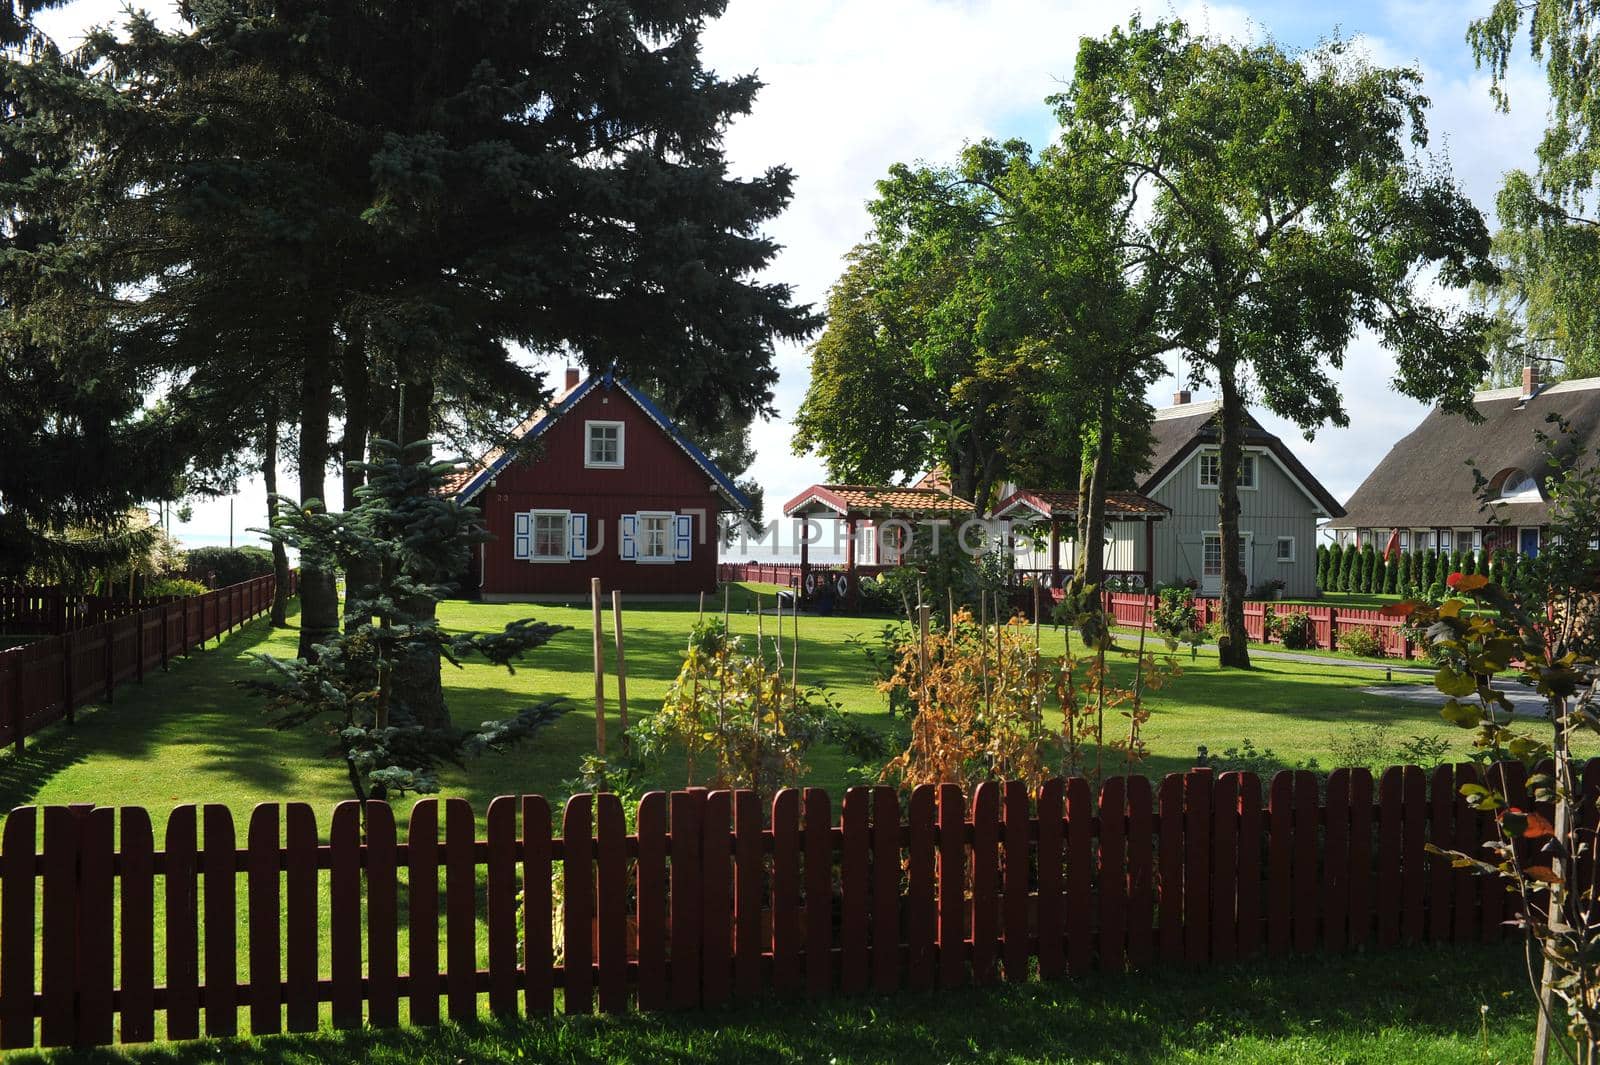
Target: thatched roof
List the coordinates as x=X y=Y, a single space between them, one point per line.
x=1424 y=482
x=1179 y=431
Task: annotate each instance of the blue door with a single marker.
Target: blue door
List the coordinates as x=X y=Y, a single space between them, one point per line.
x=1530 y=542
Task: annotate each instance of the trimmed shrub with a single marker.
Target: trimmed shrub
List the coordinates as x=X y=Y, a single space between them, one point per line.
x=1371 y=570
x=1340 y=567
x=1322 y=566
x=1363 y=642
x=173 y=586
x=1391 y=575
x=222 y=566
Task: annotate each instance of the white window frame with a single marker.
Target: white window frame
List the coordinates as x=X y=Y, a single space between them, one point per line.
x=588 y=445
x=1278 y=555
x=1246 y=546
x=1474 y=537
x=533 y=535
x=642 y=539
x=1215 y=455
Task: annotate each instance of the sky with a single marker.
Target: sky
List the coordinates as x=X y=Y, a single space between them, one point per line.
x=854 y=86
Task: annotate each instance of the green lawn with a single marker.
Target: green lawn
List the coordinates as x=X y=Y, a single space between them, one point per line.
x=1347 y=600
x=1464 y=1006
x=194 y=736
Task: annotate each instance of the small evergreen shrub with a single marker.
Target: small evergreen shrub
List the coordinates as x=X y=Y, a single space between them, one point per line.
x=1363 y=642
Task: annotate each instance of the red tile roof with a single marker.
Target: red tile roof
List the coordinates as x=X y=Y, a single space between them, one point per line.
x=1119 y=505
x=867 y=501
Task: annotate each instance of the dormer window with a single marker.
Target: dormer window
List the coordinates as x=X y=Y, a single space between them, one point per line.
x=1519 y=487
x=603 y=448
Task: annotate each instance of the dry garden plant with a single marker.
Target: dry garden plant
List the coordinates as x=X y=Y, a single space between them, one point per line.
x=979 y=696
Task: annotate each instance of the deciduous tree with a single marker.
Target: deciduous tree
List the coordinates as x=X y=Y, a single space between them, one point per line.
x=1290 y=205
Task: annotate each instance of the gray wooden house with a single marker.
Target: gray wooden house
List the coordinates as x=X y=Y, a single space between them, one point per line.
x=1280 y=504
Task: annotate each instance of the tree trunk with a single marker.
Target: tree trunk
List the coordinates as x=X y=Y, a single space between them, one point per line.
x=418 y=690
x=280 y=555
x=319 y=593
x=1232 y=649
x=356 y=384
x=1093 y=479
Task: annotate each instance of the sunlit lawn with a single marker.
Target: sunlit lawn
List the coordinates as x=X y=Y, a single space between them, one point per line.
x=193 y=735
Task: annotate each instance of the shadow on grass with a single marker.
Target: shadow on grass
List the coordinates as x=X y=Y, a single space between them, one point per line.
x=1418 y=1006
x=193 y=701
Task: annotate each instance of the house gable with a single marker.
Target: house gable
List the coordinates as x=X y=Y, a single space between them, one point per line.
x=1181 y=436
x=602 y=399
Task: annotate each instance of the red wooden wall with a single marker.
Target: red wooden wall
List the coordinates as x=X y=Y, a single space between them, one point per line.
x=656 y=475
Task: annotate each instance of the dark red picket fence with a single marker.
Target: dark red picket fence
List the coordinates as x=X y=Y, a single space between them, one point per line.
x=29 y=610
x=45 y=681
x=1328 y=623
x=712 y=898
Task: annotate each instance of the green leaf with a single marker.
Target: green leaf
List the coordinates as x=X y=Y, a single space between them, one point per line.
x=1455 y=684
x=1463 y=715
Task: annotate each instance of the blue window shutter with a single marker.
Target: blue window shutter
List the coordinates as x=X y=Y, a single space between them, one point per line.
x=683 y=525
x=577 y=535
x=630 y=533
x=522 y=538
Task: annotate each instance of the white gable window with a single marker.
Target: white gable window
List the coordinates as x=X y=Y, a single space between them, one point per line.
x=546 y=535
x=657 y=536
x=1211 y=470
x=603 y=445
x=1285 y=549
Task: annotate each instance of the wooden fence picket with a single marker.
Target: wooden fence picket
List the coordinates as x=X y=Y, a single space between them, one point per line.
x=1280 y=862
x=1441 y=833
x=818 y=891
x=786 y=890
x=951 y=871
x=716 y=898
x=1016 y=821
x=684 y=931
x=985 y=881
x=749 y=892
x=611 y=895
x=577 y=892
x=1052 y=913
x=500 y=892
x=263 y=897
x=1169 y=833
x=1335 y=899
x=383 y=962
x=300 y=917
x=422 y=922
x=855 y=890
x=344 y=912
x=1306 y=882
x=1224 y=916
x=1111 y=875
x=1140 y=842
x=182 y=919
x=887 y=903
x=1359 y=908
x=538 y=949
x=652 y=900
x=137 y=921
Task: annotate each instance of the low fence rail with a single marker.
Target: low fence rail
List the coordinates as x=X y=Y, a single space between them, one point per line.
x=45 y=681
x=714 y=896
x=1328 y=623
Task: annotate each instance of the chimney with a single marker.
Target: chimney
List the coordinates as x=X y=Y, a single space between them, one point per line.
x=1530 y=381
x=1181 y=397
x=572 y=377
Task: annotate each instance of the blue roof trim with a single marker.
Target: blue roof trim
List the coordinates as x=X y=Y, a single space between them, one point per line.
x=735 y=496
x=723 y=482
x=490 y=472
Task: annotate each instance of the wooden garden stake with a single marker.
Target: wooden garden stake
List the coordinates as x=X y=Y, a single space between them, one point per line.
x=1035 y=614
x=599 y=672
x=761 y=636
x=794 y=656
x=702 y=615
x=922 y=623
x=622 y=667
x=983 y=645
x=950 y=608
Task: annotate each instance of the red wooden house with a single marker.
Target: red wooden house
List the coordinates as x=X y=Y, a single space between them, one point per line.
x=600 y=484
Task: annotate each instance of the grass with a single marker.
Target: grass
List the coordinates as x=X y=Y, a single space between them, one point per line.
x=1347 y=600
x=194 y=736
x=1425 y=1006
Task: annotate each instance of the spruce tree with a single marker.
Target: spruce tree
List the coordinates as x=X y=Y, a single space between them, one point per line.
x=416 y=539
x=1322 y=567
